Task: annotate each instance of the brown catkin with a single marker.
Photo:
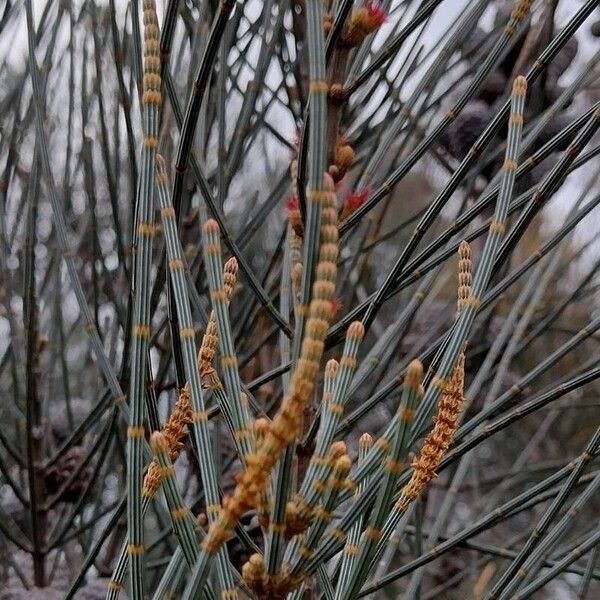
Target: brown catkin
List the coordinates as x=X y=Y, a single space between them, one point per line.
x=286 y=423
x=174 y=430
x=465 y=274
x=210 y=339
x=439 y=439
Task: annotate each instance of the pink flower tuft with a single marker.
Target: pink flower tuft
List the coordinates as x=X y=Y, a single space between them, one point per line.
x=355 y=200
x=336 y=304
x=292 y=204
x=377 y=13
x=297 y=139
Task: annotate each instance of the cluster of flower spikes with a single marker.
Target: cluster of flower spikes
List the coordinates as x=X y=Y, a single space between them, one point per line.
x=286 y=423
x=277 y=586
x=298 y=514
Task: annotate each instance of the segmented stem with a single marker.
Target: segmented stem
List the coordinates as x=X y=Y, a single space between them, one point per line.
x=151 y=101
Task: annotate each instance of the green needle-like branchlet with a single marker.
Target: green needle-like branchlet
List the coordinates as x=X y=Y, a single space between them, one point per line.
x=140 y=337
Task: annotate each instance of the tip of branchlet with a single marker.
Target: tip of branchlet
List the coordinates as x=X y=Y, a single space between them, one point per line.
x=521 y=9
x=343 y=465
x=211 y=226
x=256 y=560
x=414 y=374
x=328 y=182
x=158 y=443
x=337 y=449
x=202 y=519
x=365 y=441
x=261 y=426
x=253 y=571
x=464 y=250
x=331 y=368
x=356 y=330
x=520 y=86
x=344 y=157
x=231 y=266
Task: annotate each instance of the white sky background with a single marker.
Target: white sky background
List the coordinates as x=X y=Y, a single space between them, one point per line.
x=13 y=49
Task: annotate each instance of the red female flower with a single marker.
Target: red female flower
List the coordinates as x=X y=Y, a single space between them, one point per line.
x=377 y=14
x=353 y=201
x=292 y=204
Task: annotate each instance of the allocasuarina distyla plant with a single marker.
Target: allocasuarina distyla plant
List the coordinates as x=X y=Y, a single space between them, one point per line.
x=293 y=289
